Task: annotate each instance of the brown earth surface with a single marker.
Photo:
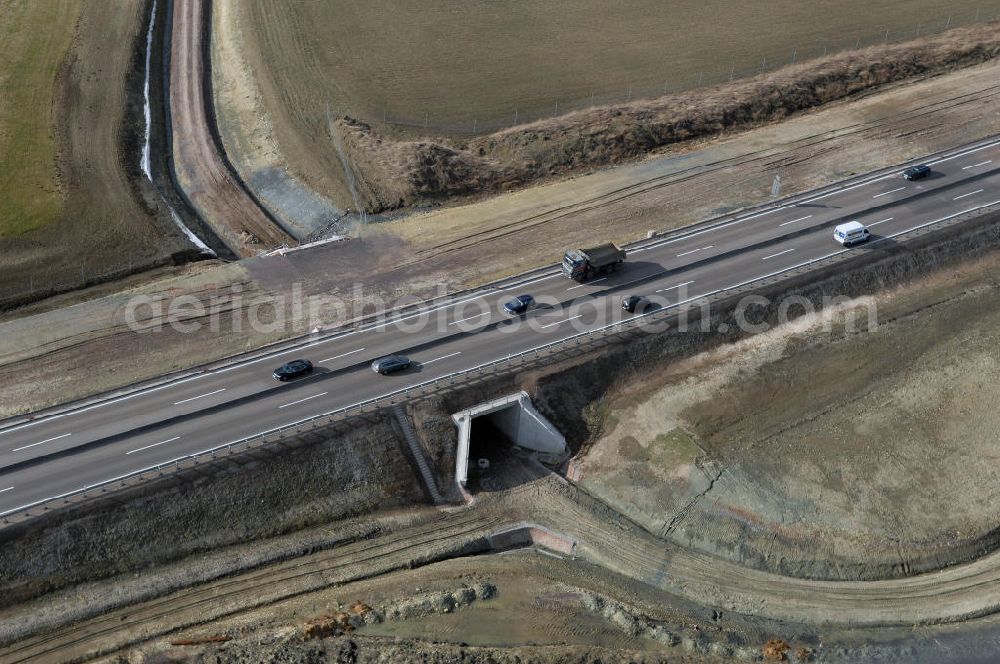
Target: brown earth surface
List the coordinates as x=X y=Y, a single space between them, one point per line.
x=447 y=67
x=813 y=448
x=538 y=600
x=662 y=582
x=709 y=605
x=201 y=170
x=104 y=224
x=399 y=173
x=467 y=245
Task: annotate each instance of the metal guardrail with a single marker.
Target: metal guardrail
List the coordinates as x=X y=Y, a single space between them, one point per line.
x=364 y=322
x=532 y=355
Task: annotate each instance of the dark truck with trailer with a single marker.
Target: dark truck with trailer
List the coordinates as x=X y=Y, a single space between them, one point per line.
x=583 y=264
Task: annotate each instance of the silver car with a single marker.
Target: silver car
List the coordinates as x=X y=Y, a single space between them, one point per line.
x=390 y=363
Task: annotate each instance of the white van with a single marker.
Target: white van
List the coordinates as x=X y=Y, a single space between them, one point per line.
x=850 y=233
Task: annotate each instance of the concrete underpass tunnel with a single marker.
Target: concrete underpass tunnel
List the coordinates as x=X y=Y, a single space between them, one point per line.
x=505 y=442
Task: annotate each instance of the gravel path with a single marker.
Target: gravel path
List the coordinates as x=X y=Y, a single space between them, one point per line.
x=201 y=169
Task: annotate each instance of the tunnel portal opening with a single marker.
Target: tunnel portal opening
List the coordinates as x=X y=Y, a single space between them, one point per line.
x=505 y=442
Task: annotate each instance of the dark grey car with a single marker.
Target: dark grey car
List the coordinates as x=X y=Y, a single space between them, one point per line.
x=390 y=363
x=519 y=305
x=293 y=369
x=917 y=172
x=635 y=303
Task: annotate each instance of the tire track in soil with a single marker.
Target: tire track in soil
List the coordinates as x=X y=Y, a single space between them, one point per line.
x=444 y=537
x=606 y=538
x=202 y=171
x=817 y=142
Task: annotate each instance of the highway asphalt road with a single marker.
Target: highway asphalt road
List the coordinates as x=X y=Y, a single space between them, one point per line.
x=200 y=412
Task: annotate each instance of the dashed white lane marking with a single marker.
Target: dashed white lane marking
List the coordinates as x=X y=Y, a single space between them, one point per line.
x=443 y=357
x=982 y=163
x=10 y=488
x=559 y=322
x=695 y=250
x=592 y=281
x=891 y=191
x=796 y=220
x=337 y=357
x=971 y=193
x=686 y=283
x=315 y=396
x=200 y=396
x=780 y=253
x=49 y=418
x=876 y=223
x=479 y=315
x=162 y=442
x=291 y=352
x=41 y=442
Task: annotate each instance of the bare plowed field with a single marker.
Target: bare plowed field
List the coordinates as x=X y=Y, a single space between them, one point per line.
x=70 y=210
x=448 y=66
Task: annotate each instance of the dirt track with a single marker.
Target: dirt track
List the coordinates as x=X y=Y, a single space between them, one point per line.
x=604 y=538
x=201 y=170
x=529 y=227
x=104 y=219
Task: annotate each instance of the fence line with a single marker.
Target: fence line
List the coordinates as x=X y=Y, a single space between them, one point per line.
x=588 y=340
x=638 y=90
x=35 y=288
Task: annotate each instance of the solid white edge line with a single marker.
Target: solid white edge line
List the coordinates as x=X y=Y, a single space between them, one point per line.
x=382 y=396
x=796 y=220
x=558 y=322
x=971 y=193
x=592 y=281
x=337 y=357
x=162 y=442
x=278 y=354
x=957 y=155
x=50 y=418
x=780 y=253
x=891 y=191
x=47 y=440
x=315 y=396
x=524 y=283
x=10 y=488
x=876 y=223
x=443 y=357
x=964 y=153
x=810 y=199
x=979 y=207
x=207 y=394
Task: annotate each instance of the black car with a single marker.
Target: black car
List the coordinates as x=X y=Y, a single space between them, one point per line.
x=917 y=172
x=634 y=303
x=519 y=305
x=293 y=369
x=390 y=363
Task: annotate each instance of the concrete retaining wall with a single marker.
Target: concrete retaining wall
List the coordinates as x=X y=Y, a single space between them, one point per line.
x=517 y=418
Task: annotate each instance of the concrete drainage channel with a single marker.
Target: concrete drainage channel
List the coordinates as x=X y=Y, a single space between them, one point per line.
x=417 y=453
x=525 y=535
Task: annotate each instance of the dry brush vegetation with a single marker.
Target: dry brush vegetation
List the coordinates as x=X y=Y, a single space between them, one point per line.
x=396 y=173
